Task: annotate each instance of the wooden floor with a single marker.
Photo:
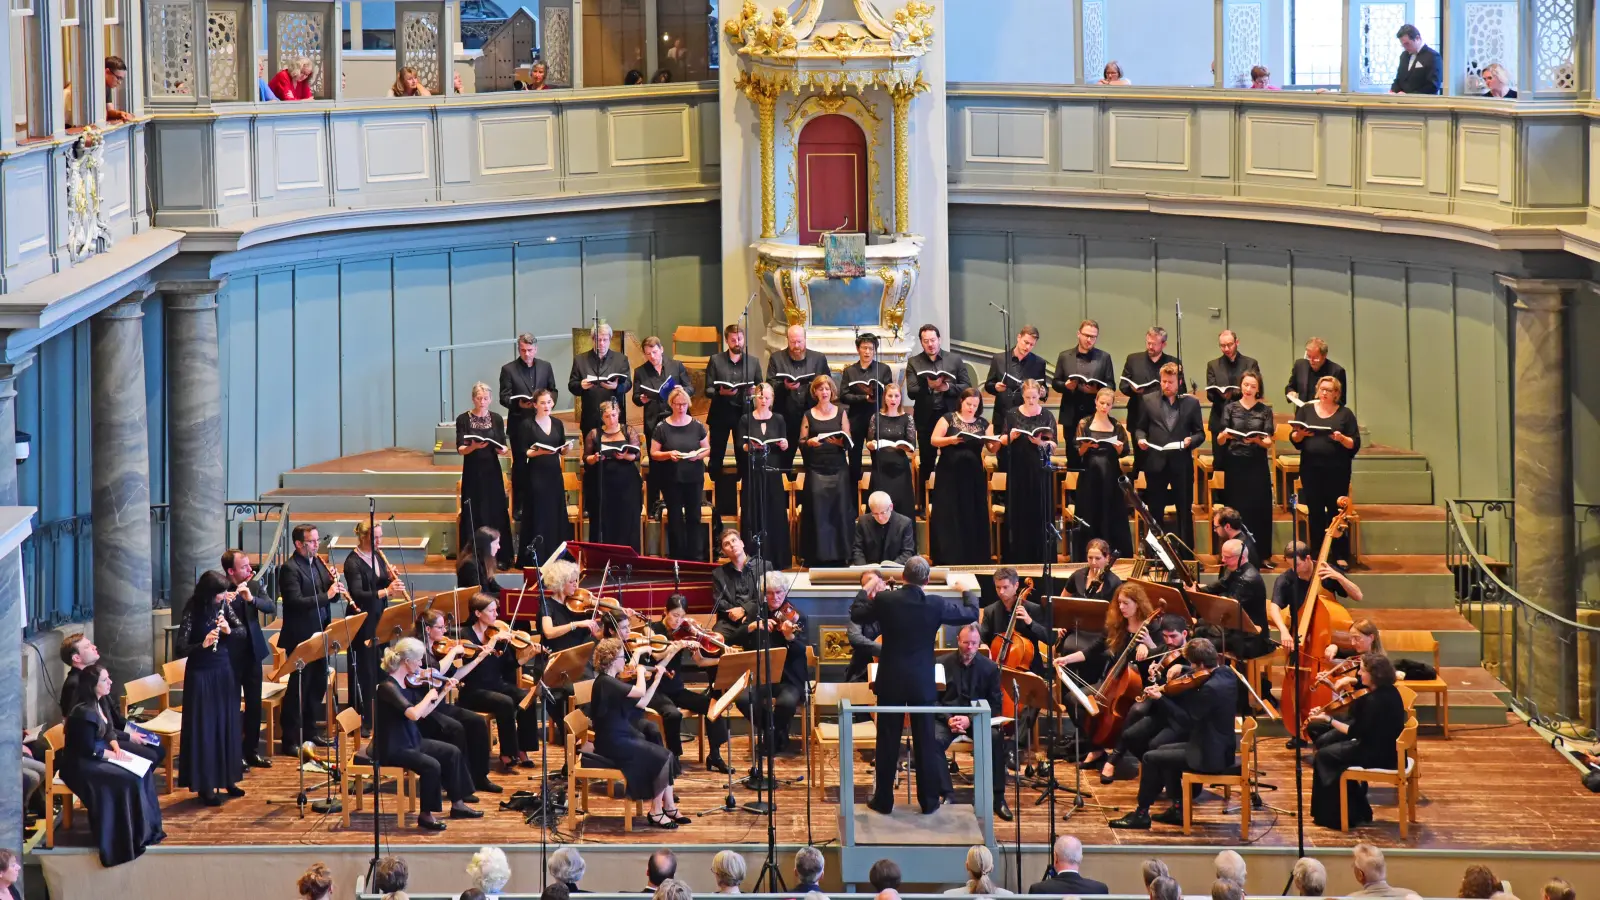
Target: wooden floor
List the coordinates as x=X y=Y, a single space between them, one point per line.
x=1490 y=787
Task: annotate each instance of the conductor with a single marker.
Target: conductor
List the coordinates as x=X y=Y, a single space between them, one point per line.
x=910 y=621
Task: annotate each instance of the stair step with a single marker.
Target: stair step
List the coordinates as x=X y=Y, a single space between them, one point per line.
x=406 y=551
x=304 y=501
x=424 y=478
x=439 y=529
x=1392 y=486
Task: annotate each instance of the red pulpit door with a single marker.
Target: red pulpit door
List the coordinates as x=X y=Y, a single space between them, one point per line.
x=833 y=177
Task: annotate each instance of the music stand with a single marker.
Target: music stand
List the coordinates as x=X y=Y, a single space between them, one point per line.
x=396 y=620
x=1090 y=707
x=719 y=706
x=341 y=633
x=309 y=652
x=453 y=603
x=1168 y=599
x=561 y=670
x=732 y=665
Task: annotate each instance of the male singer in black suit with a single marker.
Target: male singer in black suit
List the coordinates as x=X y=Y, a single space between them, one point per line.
x=790 y=371
x=1303 y=378
x=1421 y=71
x=648 y=380
x=1007 y=371
x=520 y=379
x=308 y=589
x=882 y=535
x=1144 y=369
x=1224 y=374
x=732 y=366
x=1170 y=420
x=1080 y=374
x=862 y=397
x=971 y=676
x=247 y=646
x=736 y=586
x=1211 y=747
x=910 y=620
x=1227 y=524
x=931 y=394
x=599 y=375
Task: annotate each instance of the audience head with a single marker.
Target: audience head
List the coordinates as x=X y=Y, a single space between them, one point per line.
x=1068 y=853
x=555 y=891
x=538 y=74
x=490 y=871
x=78 y=651
x=980 y=862
x=663 y=865
x=316 y=883
x=1410 y=38
x=808 y=865
x=1498 y=895
x=475 y=894
x=567 y=866
x=1224 y=889
x=1151 y=869
x=1165 y=888
x=390 y=876
x=10 y=867
x=1368 y=864
x=302 y=68
x=1230 y=865
x=1259 y=75
x=1559 y=889
x=887 y=894
x=917 y=570
x=673 y=889
x=1496 y=80
x=1310 y=877
x=728 y=868
x=1478 y=882
x=1111 y=73
x=884 y=875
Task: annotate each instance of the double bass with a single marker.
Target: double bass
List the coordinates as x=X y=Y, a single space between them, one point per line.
x=1011 y=652
x=1322 y=621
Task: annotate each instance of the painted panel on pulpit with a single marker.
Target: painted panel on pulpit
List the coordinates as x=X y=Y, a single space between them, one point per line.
x=845 y=302
x=833 y=177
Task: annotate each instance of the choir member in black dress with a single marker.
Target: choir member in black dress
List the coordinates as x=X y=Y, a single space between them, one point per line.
x=611 y=479
x=397 y=741
x=790 y=372
x=1169 y=431
x=1099 y=502
x=598 y=375
x=1375 y=723
x=970 y=676
x=1095 y=581
x=1081 y=373
x=450 y=723
x=209 y=759
x=735 y=586
x=1243 y=444
x=544 y=525
x=1030 y=434
x=371 y=583
x=492 y=687
x=863 y=382
x=1307 y=372
x=476 y=566
x=124 y=813
x=679 y=448
x=793 y=637
x=247 y=647
x=1141 y=374
x=1328 y=438
x=827 y=514
x=614 y=706
x=934 y=384
x=520 y=379
x=1007 y=371
x=761 y=435
x=882 y=535
x=1224 y=381
x=1129 y=618
x=308 y=587
x=958 y=508
x=481 y=441
x=673 y=697
x=652 y=382
x=891 y=438
x=729 y=378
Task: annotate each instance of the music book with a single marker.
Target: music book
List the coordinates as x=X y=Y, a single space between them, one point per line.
x=907 y=446
x=687 y=455
x=1295 y=400
x=1086 y=379
x=969 y=436
x=136 y=764
x=478 y=438
x=733 y=385
x=1296 y=423
x=795 y=379
x=1042 y=431
x=763 y=444
x=1175 y=445
x=869 y=383
x=618 y=451
x=557 y=449
x=1139 y=387
x=521 y=397
x=936 y=374
x=1246 y=434
x=662 y=391
x=1010 y=377
x=1098 y=440
x=590 y=380
x=836 y=434
x=1223 y=389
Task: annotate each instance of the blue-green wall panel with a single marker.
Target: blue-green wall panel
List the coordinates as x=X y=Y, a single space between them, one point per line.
x=366 y=356
x=687 y=287
x=549 y=292
x=275 y=386
x=236 y=323
x=1322 y=309
x=481 y=309
x=1122 y=295
x=978 y=274
x=1049 y=285
x=1258 y=312
x=1190 y=276
x=155 y=356
x=316 y=364
x=421 y=320
x=616 y=276
x=1479 y=383
x=1434 y=426
x=1378 y=367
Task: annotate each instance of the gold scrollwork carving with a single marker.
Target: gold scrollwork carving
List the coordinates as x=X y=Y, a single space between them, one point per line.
x=891 y=315
x=792 y=312
x=912 y=26
x=749 y=34
x=842 y=44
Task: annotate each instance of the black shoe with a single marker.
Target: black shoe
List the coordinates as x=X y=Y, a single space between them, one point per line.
x=471 y=798
x=718 y=764
x=676 y=816
x=235 y=791
x=1089 y=762
x=1267 y=565
x=488 y=787
x=1105 y=780
x=431 y=825
x=661 y=820
x=257 y=761
x=527 y=764
x=1134 y=820
x=1172 y=815
x=366 y=731
x=457 y=811
x=872 y=805
x=210 y=798
x=321 y=741
x=1003 y=811
x=1295 y=743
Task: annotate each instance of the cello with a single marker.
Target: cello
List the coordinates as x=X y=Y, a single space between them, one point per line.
x=1117 y=693
x=1011 y=652
x=1321 y=621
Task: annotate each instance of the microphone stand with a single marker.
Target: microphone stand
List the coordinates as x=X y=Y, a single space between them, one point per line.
x=1299 y=707
x=371 y=702
x=1016 y=814
x=1050 y=537
x=546 y=807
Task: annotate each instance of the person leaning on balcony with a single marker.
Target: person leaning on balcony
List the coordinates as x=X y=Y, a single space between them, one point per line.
x=1420 y=71
x=294 y=82
x=1497 y=82
x=1259 y=79
x=1112 y=74
x=407 y=84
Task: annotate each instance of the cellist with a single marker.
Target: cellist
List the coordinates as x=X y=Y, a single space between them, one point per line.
x=1128 y=619
x=996 y=618
x=1148 y=724
x=1290 y=591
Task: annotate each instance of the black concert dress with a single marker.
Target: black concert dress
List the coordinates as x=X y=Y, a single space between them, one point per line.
x=1376 y=722
x=774 y=519
x=483 y=485
x=646 y=765
x=958 y=522
x=611 y=488
x=1030 y=489
x=891 y=466
x=209 y=757
x=1247 y=478
x=1325 y=467
x=124 y=812
x=544 y=524
x=1099 y=502
x=827 y=518
x=683 y=487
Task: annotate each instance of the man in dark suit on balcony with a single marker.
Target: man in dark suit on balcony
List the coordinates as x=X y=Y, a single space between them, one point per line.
x=1421 y=71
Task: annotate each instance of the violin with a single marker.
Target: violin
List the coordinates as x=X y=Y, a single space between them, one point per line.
x=1179 y=684
x=444 y=645
x=520 y=640
x=655 y=643
x=1339 y=671
x=586 y=602
x=430 y=678
x=787 y=618
x=1343 y=699
x=710 y=644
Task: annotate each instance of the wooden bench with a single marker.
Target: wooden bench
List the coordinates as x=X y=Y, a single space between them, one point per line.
x=1423 y=642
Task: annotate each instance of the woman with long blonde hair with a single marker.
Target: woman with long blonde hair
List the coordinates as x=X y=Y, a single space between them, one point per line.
x=408 y=84
x=980 y=863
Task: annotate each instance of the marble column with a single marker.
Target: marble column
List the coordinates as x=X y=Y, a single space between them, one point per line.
x=195 y=483
x=120 y=485
x=1541 y=476
x=11 y=611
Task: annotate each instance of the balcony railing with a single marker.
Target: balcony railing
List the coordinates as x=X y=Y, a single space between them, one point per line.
x=57 y=572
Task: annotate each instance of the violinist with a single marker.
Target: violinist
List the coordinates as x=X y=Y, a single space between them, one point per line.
x=673 y=696
x=1151 y=724
x=1095 y=581
x=785 y=629
x=493 y=686
x=1127 y=620
x=996 y=617
x=563 y=625
x=455 y=725
x=1209 y=704
x=735 y=586
x=1377 y=717
x=1346 y=676
x=397 y=740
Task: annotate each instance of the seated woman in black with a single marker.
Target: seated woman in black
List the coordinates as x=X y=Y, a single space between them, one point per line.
x=492 y=687
x=646 y=765
x=211 y=760
x=476 y=566
x=1095 y=581
x=448 y=722
x=675 y=696
x=396 y=740
x=124 y=813
x=1376 y=720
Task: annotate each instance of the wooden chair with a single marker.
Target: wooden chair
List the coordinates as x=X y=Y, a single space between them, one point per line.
x=1240 y=779
x=580 y=776
x=1068 y=487
x=696 y=334
x=55 y=737
x=356 y=772
x=1285 y=466
x=1405 y=779
x=793 y=485
x=997 y=515
x=272 y=694
x=1205 y=465
x=166 y=724
x=1414 y=642
x=825 y=735
x=572 y=484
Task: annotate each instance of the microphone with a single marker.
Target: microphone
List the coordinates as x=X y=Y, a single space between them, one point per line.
x=996 y=306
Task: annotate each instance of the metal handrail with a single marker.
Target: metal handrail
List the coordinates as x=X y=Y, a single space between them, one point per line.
x=445 y=351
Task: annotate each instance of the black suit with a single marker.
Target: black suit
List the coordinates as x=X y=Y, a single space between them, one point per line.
x=1425 y=77
x=1245 y=585
x=1169 y=474
x=1303 y=380
x=910 y=620
x=964 y=684
x=590 y=365
x=247 y=650
x=1223 y=372
x=1211 y=746
x=1069 y=883
x=304 y=585
x=896 y=540
x=515 y=379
